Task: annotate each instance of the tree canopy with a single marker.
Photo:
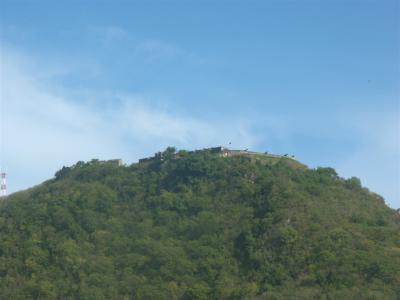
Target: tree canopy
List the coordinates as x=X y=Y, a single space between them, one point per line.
x=198 y=226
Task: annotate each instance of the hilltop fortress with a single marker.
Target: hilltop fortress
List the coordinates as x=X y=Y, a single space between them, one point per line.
x=221 y=151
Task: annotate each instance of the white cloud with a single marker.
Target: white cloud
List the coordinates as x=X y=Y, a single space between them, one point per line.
x=365 y=143
x=45 y=126
x=147 y=49
x=377 y=159
x=41 y=130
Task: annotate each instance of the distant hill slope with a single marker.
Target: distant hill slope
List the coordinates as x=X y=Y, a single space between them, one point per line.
x=198 y=227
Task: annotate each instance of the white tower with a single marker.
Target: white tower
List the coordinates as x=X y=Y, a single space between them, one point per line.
x=3 y=184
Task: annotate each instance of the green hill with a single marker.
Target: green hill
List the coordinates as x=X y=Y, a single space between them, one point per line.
x=199 y=226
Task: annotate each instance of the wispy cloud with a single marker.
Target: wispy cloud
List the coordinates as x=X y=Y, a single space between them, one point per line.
x=44 y=125
x=377 y=158
x=157 y=49
x=41 y=129
x=363 y=141
x=109 y=33
x=151 y=49
x=114 y=32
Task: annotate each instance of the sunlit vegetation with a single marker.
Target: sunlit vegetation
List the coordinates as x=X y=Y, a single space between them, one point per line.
x=198 y=227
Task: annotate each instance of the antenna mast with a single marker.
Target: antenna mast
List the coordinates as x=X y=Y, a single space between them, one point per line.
x=3 y=184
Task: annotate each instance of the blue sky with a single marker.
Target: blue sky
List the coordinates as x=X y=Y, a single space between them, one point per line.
x=107 y=79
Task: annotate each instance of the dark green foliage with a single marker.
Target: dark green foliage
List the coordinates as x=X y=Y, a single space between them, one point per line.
x=198 y=226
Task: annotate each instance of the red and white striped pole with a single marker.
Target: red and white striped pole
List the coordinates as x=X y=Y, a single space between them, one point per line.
x=3 y=184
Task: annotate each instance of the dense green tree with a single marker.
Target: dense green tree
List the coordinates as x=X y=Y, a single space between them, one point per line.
x=193 y=225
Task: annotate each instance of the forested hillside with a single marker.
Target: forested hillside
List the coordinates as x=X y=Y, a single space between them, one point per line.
x=198 y=226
